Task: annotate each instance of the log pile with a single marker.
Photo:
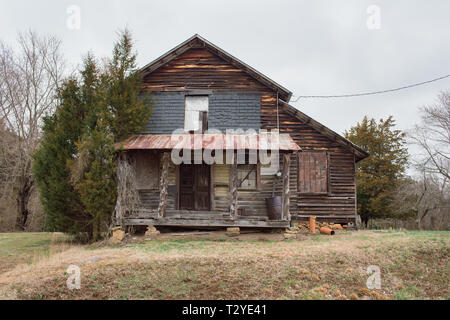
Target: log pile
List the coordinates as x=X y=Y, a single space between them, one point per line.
x=233 y=231
x=290 y=233
x=117 y=235
x=151 y=232
x=303 y=226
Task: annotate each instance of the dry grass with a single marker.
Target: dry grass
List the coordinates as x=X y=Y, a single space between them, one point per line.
x=29 y=248
x=414 y=265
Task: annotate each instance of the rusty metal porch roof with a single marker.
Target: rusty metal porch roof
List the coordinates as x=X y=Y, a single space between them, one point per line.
x=262 y=141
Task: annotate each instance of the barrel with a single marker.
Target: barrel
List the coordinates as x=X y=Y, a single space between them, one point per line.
x=274 y=208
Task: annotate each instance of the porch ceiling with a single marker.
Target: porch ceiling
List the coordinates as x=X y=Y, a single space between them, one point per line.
x=262 y=141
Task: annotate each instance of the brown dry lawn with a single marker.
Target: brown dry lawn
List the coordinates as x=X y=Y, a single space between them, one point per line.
x=414 y=265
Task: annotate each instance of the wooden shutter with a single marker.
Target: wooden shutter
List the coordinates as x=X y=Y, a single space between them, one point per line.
x=313 y=172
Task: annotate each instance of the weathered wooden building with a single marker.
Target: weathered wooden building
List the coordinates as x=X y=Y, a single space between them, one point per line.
x=200 y=92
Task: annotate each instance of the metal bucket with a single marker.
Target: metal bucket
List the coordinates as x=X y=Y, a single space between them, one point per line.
x=274 y=208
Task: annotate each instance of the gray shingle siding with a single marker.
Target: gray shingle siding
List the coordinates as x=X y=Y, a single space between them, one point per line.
x=167 y=114
x=234 y=110
x=226 y=111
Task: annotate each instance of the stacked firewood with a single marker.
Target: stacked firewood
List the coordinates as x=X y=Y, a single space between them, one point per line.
x=304 y=225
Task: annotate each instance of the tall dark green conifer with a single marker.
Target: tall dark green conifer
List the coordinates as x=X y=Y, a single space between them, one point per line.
x=75 y=164
x=130 y=110
x=61 y=130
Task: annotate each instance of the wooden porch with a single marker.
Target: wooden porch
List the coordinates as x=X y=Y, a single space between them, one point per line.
x=184 y=218
x=210 y=195
x=165 y=206
x=179 y=216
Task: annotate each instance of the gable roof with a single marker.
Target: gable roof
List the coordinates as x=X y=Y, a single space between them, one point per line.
x=332 y=135
x=197 y=41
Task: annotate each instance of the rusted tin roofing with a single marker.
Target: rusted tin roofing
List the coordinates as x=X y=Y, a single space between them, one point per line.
x=262 y=141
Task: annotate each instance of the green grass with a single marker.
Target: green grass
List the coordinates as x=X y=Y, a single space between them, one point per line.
x=408 y=293
x=25 y=247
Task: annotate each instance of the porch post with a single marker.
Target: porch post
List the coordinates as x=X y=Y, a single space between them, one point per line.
x=285 y=197
x=234 y=187
x=164 y=182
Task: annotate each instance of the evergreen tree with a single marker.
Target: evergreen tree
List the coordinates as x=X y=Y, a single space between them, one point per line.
x=129 y=108
x=62 y=207
x=378 y=175
x=75 y=164
x=96 y=186
x=90 y=151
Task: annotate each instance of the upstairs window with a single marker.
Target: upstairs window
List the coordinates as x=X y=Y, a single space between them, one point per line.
x=196 y=114
x=313 y=172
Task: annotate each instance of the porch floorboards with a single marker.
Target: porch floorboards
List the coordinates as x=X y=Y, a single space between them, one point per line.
x=189 y=218
x=209 y=223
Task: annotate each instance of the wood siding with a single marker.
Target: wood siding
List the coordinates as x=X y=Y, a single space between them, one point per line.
x=147 y=169
x=340 y=199
x=313 y=172
x=200 y=69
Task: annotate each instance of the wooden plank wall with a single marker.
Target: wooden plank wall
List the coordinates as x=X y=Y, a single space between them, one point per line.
x=253 y=202
x=340 y=199
x=199 y=69
x=150 y=197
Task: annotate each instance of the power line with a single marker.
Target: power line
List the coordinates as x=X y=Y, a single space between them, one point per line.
x=371 y=93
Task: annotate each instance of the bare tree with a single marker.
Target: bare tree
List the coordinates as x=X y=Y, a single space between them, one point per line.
x=432 y=136
x=29 y=78
x=427 y=198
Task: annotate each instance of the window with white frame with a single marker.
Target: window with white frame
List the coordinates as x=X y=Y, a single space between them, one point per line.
x=196 y=113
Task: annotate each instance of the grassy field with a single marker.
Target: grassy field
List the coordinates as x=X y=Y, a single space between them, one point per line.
x=413 y=264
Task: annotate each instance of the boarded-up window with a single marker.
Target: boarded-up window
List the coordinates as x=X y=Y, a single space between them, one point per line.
x=195 y=114
x=147 y=170
x=313 y=172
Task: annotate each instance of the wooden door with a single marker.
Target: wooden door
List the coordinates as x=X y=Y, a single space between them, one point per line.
x=186 y=187
x=201 y=189
x=194 y=187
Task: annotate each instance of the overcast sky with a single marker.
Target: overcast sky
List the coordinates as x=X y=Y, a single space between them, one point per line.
x=310 y=47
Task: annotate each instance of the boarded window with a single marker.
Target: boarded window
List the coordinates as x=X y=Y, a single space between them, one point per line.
x=313 y=172
x=147 y=170
x=195 y=113
x=248 y=176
